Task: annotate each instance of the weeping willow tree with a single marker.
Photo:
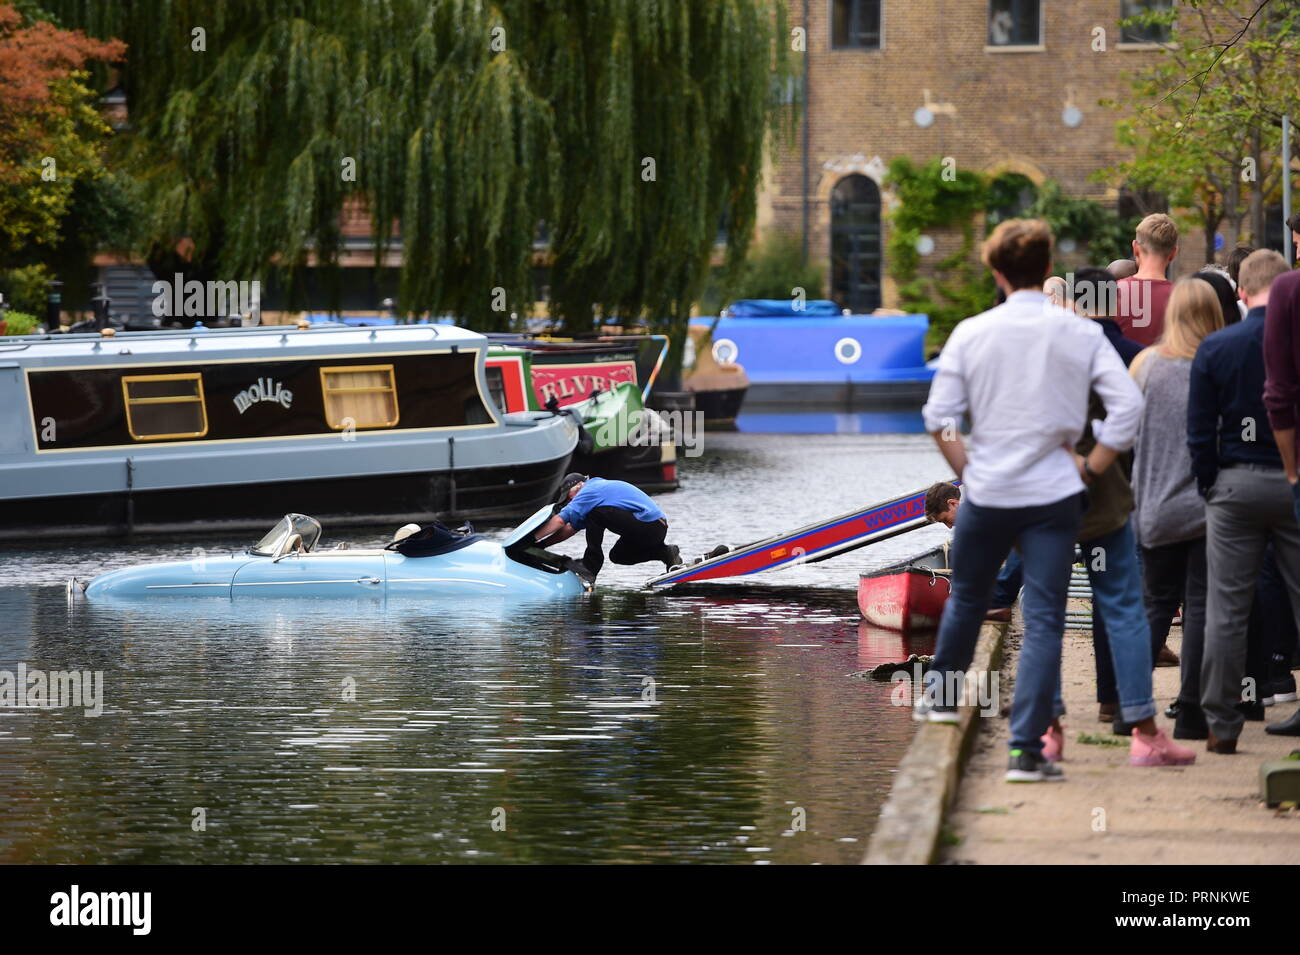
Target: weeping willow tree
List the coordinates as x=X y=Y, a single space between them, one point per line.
x=631 y=128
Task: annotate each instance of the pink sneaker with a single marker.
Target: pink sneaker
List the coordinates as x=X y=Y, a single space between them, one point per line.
x=1158 y=750
x=1054 y=744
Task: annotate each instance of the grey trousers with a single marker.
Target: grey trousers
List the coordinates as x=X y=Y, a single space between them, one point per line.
x=1244 y=509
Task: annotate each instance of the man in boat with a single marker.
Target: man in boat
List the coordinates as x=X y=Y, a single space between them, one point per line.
x=941 y=502
x=596 y=505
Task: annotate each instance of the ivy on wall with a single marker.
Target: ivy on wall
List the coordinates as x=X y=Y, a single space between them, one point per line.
x=934 y=196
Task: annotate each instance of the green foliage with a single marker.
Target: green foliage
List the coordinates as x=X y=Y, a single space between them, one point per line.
x=469 y=123
x=24 y=288
x=19 y=323
x=927 y=199
x=1084 y=220
x=774 y=268
x=1208 y=135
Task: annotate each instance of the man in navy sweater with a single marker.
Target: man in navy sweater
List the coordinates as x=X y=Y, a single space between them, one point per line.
x=595 y=504
x=1248 y=500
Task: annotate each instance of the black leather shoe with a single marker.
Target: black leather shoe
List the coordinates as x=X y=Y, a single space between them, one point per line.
x=1288 y=727
x=1190 y=722
x=1172 y=709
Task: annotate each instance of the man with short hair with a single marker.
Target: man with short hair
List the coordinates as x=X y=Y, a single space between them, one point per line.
x=941 y=503
x=1122 y=269
x=1022 y=372
x=1142 y=298
x=1239 y=471
x=598 y=505
x=1235 y=258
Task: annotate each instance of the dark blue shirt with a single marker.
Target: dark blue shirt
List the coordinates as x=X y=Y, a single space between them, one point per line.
x=1127 y=348
x=597 y=492
x=1226 y=420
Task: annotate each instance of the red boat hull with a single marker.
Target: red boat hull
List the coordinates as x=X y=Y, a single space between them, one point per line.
x=906 y=600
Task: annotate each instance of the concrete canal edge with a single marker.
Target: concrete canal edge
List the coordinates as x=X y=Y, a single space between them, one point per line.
x=911 y=822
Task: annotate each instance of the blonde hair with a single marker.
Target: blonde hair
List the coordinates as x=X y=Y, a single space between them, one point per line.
x=1192 y=313
x=1259 y=269
x=1158 y=235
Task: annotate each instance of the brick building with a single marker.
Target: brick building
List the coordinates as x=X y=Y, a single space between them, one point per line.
x=1001 y=86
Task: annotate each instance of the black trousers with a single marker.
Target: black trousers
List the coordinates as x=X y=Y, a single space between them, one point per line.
x=1272 y=616
x=638 y=541
x=1173 y=576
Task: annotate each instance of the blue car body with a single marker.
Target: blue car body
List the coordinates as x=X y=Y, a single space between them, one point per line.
x=286 y=564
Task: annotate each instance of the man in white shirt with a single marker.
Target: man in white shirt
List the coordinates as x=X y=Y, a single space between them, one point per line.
x=1022 y=372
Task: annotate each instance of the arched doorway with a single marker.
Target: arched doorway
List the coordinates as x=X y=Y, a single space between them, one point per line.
x=855 y=244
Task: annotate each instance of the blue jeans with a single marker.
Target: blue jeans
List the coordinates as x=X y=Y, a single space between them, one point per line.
x=982 y=539
x=1116 y=578
x=1010 y=577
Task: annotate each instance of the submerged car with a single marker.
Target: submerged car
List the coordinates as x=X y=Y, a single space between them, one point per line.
x=435 y=562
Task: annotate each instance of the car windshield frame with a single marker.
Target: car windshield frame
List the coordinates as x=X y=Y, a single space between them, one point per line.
x=274 y=542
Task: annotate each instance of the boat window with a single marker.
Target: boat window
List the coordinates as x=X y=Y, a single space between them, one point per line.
x=286 y=527
x=164 y=406
x=359 y=396
x=497 y=388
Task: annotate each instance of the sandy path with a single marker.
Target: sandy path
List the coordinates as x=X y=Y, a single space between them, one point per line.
x=1206 y=813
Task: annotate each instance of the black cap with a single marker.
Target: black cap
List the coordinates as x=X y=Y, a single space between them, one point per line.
x=571 y=480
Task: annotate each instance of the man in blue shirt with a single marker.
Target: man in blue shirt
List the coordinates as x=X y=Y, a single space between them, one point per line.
x=595 y=504
x=1248 y=500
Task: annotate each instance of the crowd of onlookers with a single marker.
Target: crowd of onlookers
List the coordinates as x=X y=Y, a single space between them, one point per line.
x=1146 y=428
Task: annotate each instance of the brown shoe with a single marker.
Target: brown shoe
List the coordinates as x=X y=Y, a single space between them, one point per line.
x=1106 y=712
x=1166 y=657
x=1000 y=615
x=1224 y=747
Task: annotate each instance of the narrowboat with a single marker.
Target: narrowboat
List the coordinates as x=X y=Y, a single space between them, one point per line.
x=289 y=561
x=115 y=433
x=604 y=383
x=908 y=595
x=718 y=382
x=814 y=354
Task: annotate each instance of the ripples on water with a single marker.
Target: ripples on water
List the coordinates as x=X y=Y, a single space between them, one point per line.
x=468 y=713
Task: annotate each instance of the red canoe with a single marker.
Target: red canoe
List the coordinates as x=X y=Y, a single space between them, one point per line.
x=908 y=595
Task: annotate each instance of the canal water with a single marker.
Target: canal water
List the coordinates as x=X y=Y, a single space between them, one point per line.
x=722 y=726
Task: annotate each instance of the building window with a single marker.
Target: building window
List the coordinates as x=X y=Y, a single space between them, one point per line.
x=1011 y=194
x=855 y=244
x=359 y=396
x=159 y=407
x=1015 y=23
x=1140 y=32
x=855 y=24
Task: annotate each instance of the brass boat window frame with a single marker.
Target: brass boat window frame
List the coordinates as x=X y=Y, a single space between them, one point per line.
x=199 y=397
x=326 y=391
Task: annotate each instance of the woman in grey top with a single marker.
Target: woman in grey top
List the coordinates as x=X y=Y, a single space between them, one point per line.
x=1170 y=512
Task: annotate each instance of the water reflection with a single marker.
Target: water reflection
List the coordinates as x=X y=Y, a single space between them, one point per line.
x=888 y=421
x=625 y=727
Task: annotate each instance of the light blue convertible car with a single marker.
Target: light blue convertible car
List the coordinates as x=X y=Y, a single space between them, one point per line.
x=432 y=561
